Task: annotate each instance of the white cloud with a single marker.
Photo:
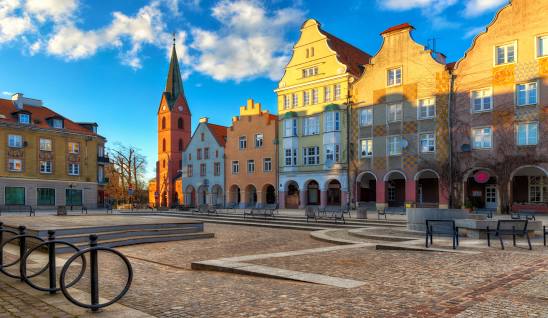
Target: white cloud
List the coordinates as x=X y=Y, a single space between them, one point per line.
x=474 y=8
x=57 y=10
x=12 y=24
x=430 y=9
x=249 y=43
x=7 y=93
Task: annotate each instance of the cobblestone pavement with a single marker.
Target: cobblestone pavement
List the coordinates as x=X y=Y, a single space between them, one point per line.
x=14 y=303
x=400 y=283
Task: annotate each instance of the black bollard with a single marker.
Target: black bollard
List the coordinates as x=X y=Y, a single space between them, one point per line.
x=94 y=272
x=51 y=265
x=22 y=251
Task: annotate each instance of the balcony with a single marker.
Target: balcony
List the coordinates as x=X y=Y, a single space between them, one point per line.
x=103 y=159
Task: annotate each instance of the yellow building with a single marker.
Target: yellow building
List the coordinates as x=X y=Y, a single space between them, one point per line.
x=313 y=99
x=48 y=160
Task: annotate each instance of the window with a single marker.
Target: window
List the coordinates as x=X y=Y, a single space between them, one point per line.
x=100 y=151
x=199 y=154
x=45 y=144
x=267 y=164
x=45 y=166
x=202 y=137
x=337 y=92
x=482 y=138
x=332 y=121
x=189 y=156
x=312 y=71
x=505 y=54
x=14 y=196
x=164 y=163
x=180 y=165
x=542 y=46
x=332 y=153
x=427 y=108
x=306 y=98
x=74 y=147
x=163 y=123
x=15 y=141
x=291 y=157
x=527 y=134
x=206 y=153
x=394 y=145
x=57 y=123
x=74 y=169
x=427 y=142
x=189 y=171
x=24 y=119
x=251 y=166
x=394 y=77
x=295 y=100
x=366 y=146
x=326 y=94
x=243 y=142
x=526 y=94
x=163 y=145
x=538 y=189
x=315 y=96
x=73 y=197
x=391 y=192
x=366 y=117
x=290 y=127
x=482 y=100
x=15 y=165
x=235 y=167
x=180 y=145
x=259 y=140
x=216 y=153
x=180 y=123
x=45 y=196
x=394 y=112
x=311 y=126
x=203 y=170
x=217 y=169
x=286 y=101
x=311 y=156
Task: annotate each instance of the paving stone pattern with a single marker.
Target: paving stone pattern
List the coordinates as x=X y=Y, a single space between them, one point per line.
x=14 y=303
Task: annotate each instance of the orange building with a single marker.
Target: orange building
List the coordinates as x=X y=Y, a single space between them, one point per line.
x=174 y=133
x=251 y=157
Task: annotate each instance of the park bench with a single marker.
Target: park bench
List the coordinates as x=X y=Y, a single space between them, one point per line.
x=523 y=214
x=17 y=209
x=487 y=212
x=108 y=207
x=83 y=209
x=330 y=212
x=264 y=212
x=444 y=228
x=390 y=210
x=509 y=227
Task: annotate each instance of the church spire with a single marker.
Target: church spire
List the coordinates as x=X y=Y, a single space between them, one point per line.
x=174 y=85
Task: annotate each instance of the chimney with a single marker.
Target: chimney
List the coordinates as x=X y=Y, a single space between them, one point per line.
x=19 y=101
x=204 y=120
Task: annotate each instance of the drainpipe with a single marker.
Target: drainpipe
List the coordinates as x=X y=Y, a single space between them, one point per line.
x=450 y=127
x=348 y=143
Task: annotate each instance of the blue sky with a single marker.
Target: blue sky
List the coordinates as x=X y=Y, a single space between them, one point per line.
x=106 y=60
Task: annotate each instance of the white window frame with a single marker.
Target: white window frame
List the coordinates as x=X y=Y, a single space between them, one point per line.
x=189 y=170
x=311 y=126
x=505 y=46
x=23 y=115
x=259 y=140
x=290 y=156
x=427 y=139
x=482 y=95
x=73 y=147
x=483 y=135
x=290 y=127
x=390 y=140
x=332 y=152
x=267 y=164
x=311 y=158
x=14 y=163
x=332 y=121
x=540 y=186
x=538 y=46
x=46 y=166
x=286 y=101
x=336 y=91
x=315 y=96
x=306 y=98
x=57 y=123
x=366 y=148
x=73 y=169
x=389 y=118
x=46 y=144
x=250 y=166
x=428 y=107
x=235 y=167
x=527 y=96
x=15 y=141
x=242 y=142
x=203 y=169
x=395 y=71
x=527 y=133
x=327 y=94
x=295 y=98
x=216 y=169
x=366 y=117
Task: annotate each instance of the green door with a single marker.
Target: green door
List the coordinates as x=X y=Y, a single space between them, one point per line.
x=74 y=197
x=15 y=196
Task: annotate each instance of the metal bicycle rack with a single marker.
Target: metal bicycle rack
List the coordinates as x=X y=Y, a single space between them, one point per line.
x=62 y=285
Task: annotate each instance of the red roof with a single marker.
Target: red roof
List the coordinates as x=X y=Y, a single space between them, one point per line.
x=348 y=54
x=398 y=27
x=39 y=116
x=219 y=132
x=450 y=66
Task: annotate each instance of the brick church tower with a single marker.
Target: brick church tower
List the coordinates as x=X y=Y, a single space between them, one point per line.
x=174 y=132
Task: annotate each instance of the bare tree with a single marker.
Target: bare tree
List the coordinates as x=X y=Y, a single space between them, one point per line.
x=129 y=165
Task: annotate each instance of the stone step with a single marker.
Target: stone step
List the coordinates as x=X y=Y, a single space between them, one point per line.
x=79 y=238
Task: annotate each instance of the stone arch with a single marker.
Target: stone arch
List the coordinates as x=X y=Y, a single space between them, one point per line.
x=250 y=195
x=528 y=188
x=313 y=192
x=217 y=196
x=427 y=184
x=366 y=188
x=268 y=194
x=190 y=196
x=292 y=194
x=333 y=191
x=234 y=194
x=395 y=181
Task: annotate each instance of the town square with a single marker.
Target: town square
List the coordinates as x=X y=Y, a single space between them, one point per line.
x=250 y=158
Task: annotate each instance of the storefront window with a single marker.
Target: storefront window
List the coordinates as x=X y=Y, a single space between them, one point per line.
x=15 y=196
x=74 y=197
x=46 y=196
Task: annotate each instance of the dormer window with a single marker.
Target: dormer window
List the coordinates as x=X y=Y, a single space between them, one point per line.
x=57 y=123
x=24 y=119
